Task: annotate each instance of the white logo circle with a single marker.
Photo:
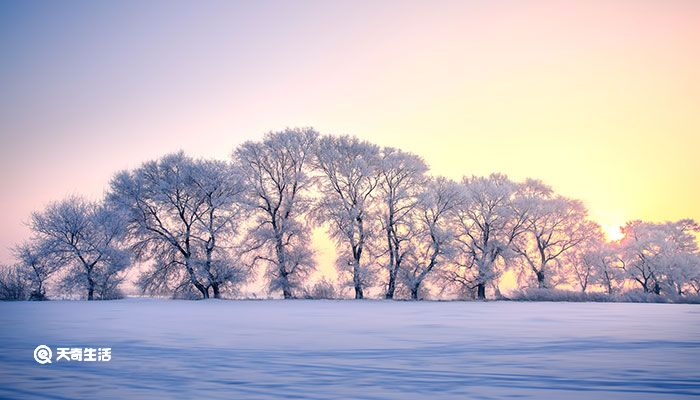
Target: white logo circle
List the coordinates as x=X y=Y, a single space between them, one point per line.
x=42 y=354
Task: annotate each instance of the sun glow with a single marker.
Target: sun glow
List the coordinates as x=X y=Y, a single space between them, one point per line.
x=613 y=232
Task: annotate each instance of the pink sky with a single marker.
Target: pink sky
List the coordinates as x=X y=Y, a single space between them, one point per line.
x=600 y=99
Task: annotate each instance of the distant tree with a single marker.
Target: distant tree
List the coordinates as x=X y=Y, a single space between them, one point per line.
x=661 y=256
x=579 y=266
x=277 y=183
x=350 y=176
x=554 y=226
x=401 y=178
x=37 y=262
x=488 y=220
x=597 y=262
x=682 y=273
x=85 y=237
x=433 y=240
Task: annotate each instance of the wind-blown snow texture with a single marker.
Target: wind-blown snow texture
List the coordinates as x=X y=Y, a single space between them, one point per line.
x=349 y=349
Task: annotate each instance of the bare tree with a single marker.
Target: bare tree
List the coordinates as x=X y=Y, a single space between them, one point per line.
x=401 y=178
x=350 y=170
x=433 y=241
x=85 y=237
x=277 y=182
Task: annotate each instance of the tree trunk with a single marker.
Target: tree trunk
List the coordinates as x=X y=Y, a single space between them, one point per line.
x=540 y=279
x=215 y=288
x=204 y=291
x=414 y=291
x=356 y=280
x=357 y=255
x=392 y=287
x=91 y=287
x=358 y=292
x=282 y=265
x=481 y=291
x=392 y=276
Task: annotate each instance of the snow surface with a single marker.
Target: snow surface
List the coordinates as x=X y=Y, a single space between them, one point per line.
x=353 y=349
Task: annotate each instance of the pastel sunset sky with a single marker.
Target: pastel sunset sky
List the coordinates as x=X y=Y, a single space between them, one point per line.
x=600 y=99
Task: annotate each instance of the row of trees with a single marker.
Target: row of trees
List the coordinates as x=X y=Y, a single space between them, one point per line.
x=203 y=228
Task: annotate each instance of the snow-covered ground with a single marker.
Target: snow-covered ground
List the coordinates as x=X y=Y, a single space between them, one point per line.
x=353 y=349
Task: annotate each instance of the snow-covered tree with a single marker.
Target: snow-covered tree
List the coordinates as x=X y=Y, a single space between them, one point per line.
x=401 y=179
x=487 y=223
x=177 y=209
x=217 y=226
x=661 y=256
x=554 y=226
x=277 y=184
x=579 y=265
x=682 y=273
x=37 y=263
x=599 y=263
x=85 y=237
x=13 y=283
x=350 y=176
x=432 y=241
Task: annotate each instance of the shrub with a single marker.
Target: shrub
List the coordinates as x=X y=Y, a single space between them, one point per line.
x=13 y=284
x=323 y=289
x=633 y=296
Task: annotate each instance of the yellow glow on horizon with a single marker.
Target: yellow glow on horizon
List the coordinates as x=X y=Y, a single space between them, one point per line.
x=613 y=233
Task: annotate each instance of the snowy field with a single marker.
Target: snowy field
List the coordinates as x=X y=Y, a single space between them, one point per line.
x=353 y=349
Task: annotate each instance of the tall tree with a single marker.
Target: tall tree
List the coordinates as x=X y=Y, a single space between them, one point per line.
x=350 y=175
x=433 y=241
x=176 y=208
x=401 y=178
x=217 y=226
x=277 y=182
x=488 y=220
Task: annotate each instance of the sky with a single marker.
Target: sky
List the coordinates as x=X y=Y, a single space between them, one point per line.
x=599 y=99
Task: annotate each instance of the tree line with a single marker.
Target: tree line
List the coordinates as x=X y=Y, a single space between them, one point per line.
x=199 y=228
